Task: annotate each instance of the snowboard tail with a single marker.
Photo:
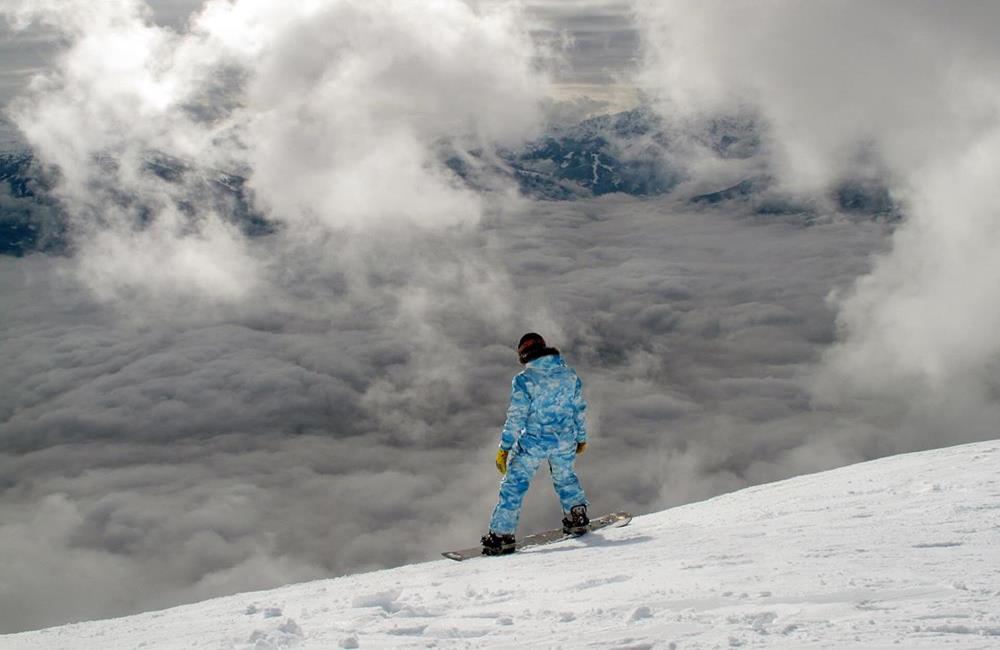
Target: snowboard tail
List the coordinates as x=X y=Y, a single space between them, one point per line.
x=615 y=519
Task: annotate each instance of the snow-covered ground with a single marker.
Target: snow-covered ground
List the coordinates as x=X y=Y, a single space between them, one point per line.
x=899 y=552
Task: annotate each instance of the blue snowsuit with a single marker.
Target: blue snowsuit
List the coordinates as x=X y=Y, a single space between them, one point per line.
x=544 y=422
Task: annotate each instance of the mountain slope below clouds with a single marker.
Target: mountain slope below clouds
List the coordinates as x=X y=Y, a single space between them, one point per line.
x=899 y=552
x=633 y=153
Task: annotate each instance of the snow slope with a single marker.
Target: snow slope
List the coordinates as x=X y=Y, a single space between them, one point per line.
x=899 y=552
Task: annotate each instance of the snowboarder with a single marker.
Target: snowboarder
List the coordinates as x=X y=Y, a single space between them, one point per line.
x=544 y=422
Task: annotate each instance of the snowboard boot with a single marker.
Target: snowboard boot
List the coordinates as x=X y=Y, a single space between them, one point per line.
x=577 y=522
x=494 y=544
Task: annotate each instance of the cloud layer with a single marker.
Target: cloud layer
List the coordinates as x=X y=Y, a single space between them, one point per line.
x=902 y=91
x=334 y=112
x=321 y=430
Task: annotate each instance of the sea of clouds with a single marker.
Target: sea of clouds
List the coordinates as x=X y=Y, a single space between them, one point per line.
x=188 y=411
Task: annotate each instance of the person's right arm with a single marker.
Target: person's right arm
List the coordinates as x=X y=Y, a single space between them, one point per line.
x=579 y=408
x=517 y=413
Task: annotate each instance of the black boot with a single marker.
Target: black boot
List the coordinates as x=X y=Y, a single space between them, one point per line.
x=577 y=522
x=494 y=544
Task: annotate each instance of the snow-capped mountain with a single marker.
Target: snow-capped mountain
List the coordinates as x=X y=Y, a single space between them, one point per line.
x=635 y=152
x=860 y=197
x=626 y=153
x=31 y=219
x=901 y=552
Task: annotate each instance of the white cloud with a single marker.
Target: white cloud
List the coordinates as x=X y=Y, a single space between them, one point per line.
x=906 y=91
x=334 y=111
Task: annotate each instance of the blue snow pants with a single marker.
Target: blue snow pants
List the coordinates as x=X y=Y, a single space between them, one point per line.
x=521 y=467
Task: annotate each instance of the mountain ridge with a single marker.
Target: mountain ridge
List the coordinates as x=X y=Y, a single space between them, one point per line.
x=635 y=152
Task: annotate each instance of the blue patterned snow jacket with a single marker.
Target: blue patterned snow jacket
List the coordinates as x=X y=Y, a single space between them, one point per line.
x=546 y=407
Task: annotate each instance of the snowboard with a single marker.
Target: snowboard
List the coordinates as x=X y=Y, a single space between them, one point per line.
x=615 y=519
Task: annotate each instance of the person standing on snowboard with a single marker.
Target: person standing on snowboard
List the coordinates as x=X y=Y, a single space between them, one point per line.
x=544 y=422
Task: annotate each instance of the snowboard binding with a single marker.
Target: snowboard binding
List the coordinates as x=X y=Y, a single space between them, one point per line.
x=577 y=522
x=494 y=544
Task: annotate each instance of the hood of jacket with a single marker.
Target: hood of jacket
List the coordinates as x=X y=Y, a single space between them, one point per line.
x=547 y=362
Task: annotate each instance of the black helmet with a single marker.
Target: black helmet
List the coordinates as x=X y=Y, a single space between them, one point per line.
x=530 y=347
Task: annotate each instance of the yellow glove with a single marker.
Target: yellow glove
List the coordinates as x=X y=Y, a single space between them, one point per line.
x=580 y=448
x=502 y=460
